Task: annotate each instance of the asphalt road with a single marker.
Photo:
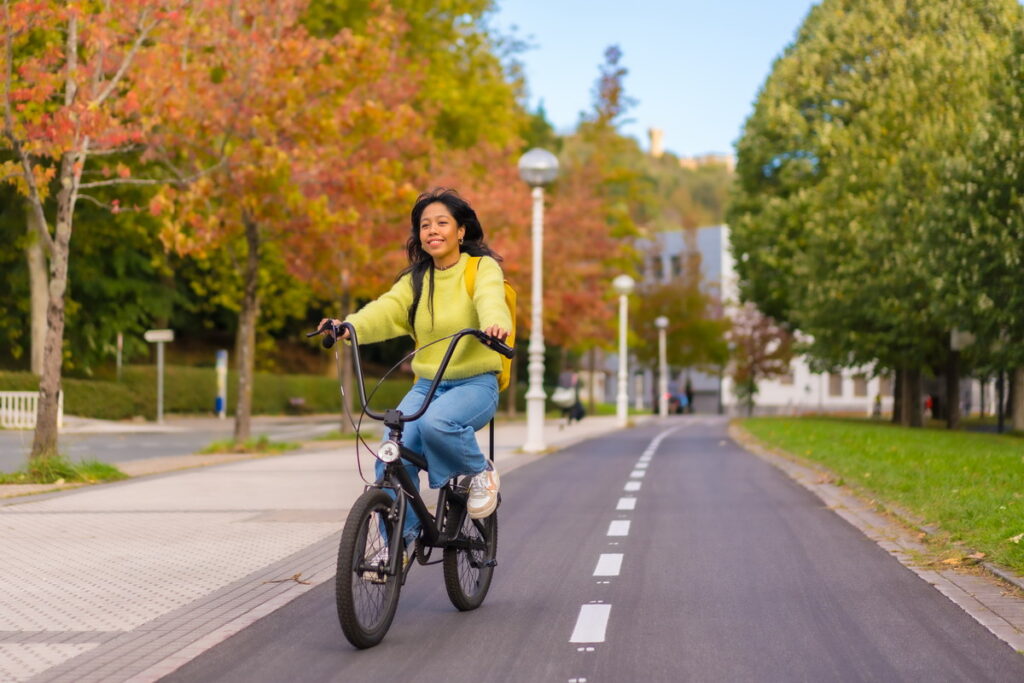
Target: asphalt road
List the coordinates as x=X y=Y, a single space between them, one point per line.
x=122 y=446
x=727 y=571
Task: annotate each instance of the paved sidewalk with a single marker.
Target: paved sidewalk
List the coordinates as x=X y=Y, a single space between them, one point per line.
x=130 y=580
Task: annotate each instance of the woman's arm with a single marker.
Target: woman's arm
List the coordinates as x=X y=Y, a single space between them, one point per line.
x=387 y=316
x=489 y=299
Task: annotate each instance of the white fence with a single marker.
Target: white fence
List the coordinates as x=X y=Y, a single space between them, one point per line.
x=18 y=409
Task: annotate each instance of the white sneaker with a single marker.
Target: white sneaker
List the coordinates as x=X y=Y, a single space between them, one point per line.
x=483 y=494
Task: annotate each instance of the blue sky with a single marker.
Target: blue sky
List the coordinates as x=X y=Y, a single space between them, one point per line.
x=695 y=66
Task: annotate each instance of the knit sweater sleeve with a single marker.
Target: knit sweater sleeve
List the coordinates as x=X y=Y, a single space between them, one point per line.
x=387 y=316
x=489 y=295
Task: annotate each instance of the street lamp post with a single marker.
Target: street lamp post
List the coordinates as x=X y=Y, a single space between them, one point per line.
x=538 y=167
x=623 y=285
x=661 y=322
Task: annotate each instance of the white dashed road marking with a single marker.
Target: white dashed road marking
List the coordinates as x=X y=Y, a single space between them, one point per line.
x=619 y=527
x=591 y=624
x=608 y=564
x=627 y=503
x=632 y=486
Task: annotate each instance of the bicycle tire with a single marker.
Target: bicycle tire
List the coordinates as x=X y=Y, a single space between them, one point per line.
x=468 y=573
x=366 y=607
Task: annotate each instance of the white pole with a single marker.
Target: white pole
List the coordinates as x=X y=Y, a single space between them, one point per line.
x=160 y=382
x=622 y=402
x=662 y=375
x=535 y=396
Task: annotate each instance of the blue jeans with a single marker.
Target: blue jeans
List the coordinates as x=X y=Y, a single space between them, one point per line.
x=446 y=434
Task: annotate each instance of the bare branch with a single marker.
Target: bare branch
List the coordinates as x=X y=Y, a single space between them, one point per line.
x=178 y=180
x=109 y=207
x=123 y=181
x=126 y=62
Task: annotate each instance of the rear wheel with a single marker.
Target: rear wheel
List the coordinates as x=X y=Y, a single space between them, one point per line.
x=469 y=563
x=366 y=595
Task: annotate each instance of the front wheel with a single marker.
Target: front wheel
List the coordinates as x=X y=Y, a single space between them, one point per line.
x=469 y=562
x=366 y=595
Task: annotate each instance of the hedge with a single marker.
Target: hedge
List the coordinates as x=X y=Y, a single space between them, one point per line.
x=193 y=390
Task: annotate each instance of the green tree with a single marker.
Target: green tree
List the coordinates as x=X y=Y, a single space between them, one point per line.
x=833 y=213
x=979 y=231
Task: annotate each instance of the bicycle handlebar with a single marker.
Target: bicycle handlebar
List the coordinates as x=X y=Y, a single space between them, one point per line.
x=335 y=331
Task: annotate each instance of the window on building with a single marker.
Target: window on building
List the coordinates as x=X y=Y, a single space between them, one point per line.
x=885 y=386
x=657 y=271
x=677 y=265
x=835 y=384
x=860 y=385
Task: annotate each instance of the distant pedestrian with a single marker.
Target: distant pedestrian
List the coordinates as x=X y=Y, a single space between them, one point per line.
x=689 y=395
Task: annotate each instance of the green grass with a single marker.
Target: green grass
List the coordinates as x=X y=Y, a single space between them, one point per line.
x=259 y=444
x=336 y=435
x=970 y=485
x=58 y=470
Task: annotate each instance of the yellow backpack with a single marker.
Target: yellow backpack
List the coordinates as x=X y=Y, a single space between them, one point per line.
x=505 y=376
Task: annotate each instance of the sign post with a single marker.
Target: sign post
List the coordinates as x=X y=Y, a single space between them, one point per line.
x=159 y=337
x=221 y=402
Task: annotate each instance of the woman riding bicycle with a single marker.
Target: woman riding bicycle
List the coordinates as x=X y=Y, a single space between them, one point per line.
x=430 y=301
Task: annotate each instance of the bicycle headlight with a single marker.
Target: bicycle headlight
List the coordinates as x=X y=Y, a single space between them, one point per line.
x=388 y=451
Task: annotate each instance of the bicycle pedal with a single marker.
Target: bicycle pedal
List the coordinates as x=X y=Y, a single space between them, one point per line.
x=491 y=563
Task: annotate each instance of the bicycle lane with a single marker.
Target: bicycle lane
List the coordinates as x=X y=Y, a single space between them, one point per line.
x=723 y=569
x=552 y=511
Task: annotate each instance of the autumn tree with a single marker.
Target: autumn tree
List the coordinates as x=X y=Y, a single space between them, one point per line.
x=70 y=94
x=760 y=349
x=311 y=140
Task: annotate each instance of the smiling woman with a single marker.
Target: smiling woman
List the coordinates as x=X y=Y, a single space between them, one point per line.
x=445 y=234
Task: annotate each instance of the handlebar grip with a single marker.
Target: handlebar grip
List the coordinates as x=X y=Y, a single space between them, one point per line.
x=495 y=344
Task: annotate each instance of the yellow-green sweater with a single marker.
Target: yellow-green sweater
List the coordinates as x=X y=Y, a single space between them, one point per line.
x=388 y=317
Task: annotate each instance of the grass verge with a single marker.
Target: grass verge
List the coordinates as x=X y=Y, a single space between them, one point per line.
x=336 y=435
x=59 y=470
x=969 y=485
x=260 y=445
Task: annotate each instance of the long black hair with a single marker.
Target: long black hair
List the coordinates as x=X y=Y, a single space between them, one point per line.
x=420 y=262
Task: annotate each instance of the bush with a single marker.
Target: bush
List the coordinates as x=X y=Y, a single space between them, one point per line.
x=191 y=390
x=87 y=398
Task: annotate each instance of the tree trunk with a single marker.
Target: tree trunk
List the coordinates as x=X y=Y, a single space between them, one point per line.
x=953 y=390
x=1017 y=399
x=983 y=384
x=245 y=343
x=36 y=260
x=592 y=384
x=1000 y=401
x=914 y=404
x=897 y=396
x=44 y=442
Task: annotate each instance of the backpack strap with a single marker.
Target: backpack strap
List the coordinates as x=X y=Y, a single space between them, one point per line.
x=471 y=267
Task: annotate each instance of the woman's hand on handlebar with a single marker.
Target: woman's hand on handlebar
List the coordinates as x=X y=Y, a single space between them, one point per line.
x=328 y=324
x=498 y=332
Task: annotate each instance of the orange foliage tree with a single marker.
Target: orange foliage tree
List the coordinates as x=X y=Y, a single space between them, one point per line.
x=70 y=93
x=311 y=141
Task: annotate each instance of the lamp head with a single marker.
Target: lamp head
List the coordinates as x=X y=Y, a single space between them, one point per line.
x=538 y=167
x=623 y=285
x=661 y=322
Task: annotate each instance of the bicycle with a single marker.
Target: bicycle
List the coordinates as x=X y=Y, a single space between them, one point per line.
x=372 y=565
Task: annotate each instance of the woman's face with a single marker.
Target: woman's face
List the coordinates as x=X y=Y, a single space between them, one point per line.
x=440 y=234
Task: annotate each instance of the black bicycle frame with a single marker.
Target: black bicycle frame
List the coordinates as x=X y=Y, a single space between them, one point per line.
x=394 y=472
